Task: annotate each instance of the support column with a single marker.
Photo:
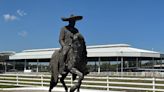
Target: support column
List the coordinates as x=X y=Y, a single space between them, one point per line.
x=161 y=63
x=127 y=64
x=137 y=63
x=153 y=63
x=14 y=64
x=3 y=65
x=108 y=67
x=122 y=65
x=95 y=67
x=5 y=62
x=99 y=68
x=140 y=63
x=37 y=67
x=25 y=64
x=117 y=65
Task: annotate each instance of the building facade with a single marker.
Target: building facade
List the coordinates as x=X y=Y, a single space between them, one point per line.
x=4 y=57
x=101 y=58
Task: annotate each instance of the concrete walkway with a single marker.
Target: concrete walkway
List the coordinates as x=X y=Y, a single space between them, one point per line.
x=45 y=89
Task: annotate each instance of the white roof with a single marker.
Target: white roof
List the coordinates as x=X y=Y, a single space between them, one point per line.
x=7 y=53
x=114 y=50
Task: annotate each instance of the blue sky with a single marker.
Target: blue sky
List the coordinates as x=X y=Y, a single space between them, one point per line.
x=35 y=24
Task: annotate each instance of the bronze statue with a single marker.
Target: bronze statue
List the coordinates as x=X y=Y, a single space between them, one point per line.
x=71 y=58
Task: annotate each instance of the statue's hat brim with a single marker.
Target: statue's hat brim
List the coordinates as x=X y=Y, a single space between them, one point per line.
x=72 y=18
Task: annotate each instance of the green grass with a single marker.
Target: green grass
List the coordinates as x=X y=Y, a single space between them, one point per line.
x=3 y=86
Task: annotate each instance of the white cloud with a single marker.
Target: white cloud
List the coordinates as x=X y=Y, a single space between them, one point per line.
x=21 y=13
x=12 y=17
x=9 y=17
x=23 y=34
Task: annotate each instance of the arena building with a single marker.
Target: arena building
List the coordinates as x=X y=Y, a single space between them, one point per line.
x=4 y=57
x=101 y=58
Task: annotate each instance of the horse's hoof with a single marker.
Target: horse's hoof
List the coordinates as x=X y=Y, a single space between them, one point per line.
x=49 y=91
x=72 y=90
x=66 y=90
x=78 y=91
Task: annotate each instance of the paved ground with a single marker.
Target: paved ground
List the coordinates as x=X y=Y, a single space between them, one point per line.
x=45 y=89
x=27 y=91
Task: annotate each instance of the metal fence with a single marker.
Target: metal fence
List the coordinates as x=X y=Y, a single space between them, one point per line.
x=92 y=82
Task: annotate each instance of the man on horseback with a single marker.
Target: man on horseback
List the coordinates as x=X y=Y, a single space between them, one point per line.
x=66 y=39
x=71 y=58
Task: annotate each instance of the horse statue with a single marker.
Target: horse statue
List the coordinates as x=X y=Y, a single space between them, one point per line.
x=76 y=64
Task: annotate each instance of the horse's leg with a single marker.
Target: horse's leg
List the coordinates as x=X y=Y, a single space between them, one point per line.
x=53 y=83
x=62 y=81
x=78 y=89
x=78 y=84
x=74 y=78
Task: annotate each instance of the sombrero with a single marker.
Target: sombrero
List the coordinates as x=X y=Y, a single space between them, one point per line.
x=72 y=17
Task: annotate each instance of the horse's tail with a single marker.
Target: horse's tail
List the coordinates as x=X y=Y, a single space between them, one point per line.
x=54 y=65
